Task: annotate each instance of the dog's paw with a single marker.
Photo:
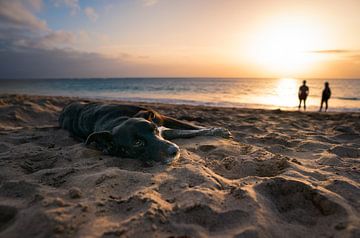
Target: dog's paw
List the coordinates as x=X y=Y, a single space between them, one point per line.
x=220 y=132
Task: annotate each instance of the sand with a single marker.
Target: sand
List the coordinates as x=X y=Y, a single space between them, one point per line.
x=284 y=174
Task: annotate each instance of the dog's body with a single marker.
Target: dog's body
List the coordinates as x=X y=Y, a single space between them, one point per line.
x=130 y=131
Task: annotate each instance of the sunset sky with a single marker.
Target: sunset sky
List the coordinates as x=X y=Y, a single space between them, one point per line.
x=179 y=38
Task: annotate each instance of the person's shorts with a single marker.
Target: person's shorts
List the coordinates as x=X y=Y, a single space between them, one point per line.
x=324 y=99
x=302 y=97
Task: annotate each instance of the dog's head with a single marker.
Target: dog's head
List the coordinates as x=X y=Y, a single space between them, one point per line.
x=136 y=138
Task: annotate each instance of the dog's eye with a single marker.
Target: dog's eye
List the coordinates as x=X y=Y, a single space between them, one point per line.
x=139 y=143
x=154 y=128
x=157 y=132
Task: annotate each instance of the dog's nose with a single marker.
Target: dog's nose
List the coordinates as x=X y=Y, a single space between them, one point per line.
x=173 y=151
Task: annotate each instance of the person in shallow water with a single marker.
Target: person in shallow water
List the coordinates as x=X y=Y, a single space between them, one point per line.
x=326 y=94
x=303 y=93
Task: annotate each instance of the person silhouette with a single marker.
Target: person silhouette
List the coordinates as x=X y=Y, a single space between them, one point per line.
x=326 y=94
x=303 y=93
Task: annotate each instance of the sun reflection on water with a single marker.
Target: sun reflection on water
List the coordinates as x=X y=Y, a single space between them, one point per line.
x=284 y=93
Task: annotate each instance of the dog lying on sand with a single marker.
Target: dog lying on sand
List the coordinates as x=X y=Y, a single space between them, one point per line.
x=130 y=131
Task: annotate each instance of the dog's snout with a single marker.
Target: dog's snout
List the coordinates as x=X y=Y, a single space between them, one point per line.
x=173 y=150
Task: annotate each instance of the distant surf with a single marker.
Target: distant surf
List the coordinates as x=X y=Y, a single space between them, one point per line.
x=347 y=98
x=267 y=93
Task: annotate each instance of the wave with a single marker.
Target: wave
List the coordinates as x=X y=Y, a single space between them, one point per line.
x=226 y=104
x=348 y=98
x=253 y=93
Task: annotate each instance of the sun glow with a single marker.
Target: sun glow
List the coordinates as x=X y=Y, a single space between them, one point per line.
x=283 y=47
x=284 y=95
x=286 y=91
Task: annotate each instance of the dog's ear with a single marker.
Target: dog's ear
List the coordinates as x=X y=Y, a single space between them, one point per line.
x=146 y=114
x=102 y=139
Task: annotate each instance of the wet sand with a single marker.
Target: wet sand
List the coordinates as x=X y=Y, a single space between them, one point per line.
x=284 y=174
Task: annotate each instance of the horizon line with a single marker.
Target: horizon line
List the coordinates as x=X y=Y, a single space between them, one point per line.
x=179 y=77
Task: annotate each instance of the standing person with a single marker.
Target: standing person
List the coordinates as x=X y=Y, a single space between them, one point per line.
x=326 y=93
x=303 y=93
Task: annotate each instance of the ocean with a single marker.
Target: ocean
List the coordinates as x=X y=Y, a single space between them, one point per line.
x=266 y=93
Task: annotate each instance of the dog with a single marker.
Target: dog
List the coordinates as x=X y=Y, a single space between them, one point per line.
x=130 y=131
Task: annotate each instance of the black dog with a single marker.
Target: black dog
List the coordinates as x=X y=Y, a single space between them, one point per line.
x=130 y=131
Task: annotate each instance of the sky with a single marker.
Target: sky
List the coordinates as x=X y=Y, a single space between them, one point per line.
x=179 y=38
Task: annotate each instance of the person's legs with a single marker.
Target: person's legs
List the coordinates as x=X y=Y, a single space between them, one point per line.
x=326 y=105
x=299 y=103
x=304 y=104
x=321 y=104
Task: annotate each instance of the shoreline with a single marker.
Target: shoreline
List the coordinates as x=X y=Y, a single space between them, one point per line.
x=177 y=103
x=283 y=174
x=241 y=93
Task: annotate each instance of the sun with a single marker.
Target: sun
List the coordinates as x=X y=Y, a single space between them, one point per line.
x=283 y=47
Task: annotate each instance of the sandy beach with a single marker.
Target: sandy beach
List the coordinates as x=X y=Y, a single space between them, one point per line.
x=283 y=174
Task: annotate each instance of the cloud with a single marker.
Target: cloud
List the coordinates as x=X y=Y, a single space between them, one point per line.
x=15 y=15
x=30 y=49
x=332 y=51
x=54 y=39
x=36 y=5
x=350 y=56
x=149 y=2
x=20 y=27
x=75 y=7
x=91 y=13
x=72 y=4
x=55 y=63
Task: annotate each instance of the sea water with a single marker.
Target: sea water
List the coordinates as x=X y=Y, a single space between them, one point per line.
x=268 y=93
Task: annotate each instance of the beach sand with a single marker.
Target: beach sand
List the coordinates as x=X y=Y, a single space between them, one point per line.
x=284 y=174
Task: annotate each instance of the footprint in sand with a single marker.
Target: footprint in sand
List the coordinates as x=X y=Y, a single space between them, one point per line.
x=313 y=146
x=232 y=167
x=346 y=151
x=298 y=202
x=347 y=189
x=18 y=189
x=55 y=177
x=7 y=216
x=330 y=160
x=124 y=208
x=39 y=161
x=344 y=129
x=207 y=218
